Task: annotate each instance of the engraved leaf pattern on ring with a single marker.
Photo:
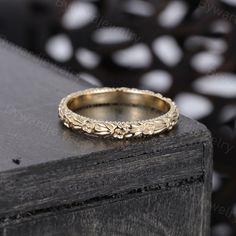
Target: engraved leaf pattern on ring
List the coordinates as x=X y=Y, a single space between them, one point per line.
x=119 y=130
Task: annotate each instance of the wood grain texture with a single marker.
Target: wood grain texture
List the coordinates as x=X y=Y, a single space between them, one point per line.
x=57 y=182
x=169 y=213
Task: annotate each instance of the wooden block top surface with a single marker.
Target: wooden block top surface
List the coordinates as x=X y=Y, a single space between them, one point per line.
x=30 y=131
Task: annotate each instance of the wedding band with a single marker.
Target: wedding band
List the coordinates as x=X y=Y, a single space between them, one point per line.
x=118 y=129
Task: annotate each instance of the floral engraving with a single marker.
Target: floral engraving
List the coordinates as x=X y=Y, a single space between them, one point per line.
x=118 y=130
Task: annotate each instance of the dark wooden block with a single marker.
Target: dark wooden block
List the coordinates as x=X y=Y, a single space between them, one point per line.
x=57 y=182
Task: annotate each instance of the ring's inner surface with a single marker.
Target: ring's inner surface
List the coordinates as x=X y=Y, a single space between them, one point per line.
x=118 y=106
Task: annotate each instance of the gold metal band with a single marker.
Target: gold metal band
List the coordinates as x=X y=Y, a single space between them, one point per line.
x=118 y=129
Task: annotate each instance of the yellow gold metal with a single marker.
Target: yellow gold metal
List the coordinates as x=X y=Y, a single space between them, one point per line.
x=118 y=129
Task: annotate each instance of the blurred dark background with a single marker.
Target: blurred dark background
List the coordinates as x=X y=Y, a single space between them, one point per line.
x=183 y=49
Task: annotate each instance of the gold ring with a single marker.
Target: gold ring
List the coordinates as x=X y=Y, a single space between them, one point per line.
x=70 y=107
